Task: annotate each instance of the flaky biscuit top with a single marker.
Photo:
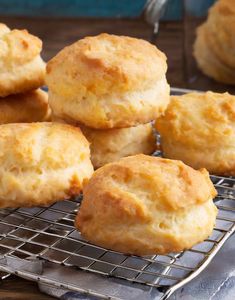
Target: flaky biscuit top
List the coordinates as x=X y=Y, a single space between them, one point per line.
x=104 y=64
x=41 y=146
x=17 y=46
x=200 y=120
x=145 y=182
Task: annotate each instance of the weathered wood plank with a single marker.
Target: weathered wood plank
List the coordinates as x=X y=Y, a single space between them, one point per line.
x=16 y=288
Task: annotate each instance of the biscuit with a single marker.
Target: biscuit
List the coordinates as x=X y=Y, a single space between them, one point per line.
x=108 y=81
x=221 y=25
x=41 y=163
x=199 y=129
x=209 y=63
x=22 y=68
x=214 y=47
x=25 y=108
x=112 y=144
x=147 y=205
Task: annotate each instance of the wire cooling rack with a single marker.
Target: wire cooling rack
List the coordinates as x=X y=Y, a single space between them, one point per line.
x=48 y=234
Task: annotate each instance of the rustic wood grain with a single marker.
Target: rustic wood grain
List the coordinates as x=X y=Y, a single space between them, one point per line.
x=170 y=41
x=15 y=288
x=175 y=39
x=58 y=33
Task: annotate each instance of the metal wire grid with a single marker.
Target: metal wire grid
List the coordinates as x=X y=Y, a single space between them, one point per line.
x=49 y=234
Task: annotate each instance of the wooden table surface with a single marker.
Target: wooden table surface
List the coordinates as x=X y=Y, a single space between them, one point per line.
x=175 y=39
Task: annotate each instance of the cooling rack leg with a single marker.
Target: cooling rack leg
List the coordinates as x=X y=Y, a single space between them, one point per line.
x=4 y=275
x=167 y=294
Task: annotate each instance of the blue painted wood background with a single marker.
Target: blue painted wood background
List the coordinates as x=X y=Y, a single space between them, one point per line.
x=95 y=8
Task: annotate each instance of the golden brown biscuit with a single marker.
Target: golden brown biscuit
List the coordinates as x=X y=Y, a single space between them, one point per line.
x=214 y=48
x=199 y=129
x=22 y=68
x=221 y=25
x=108 y=81
x=41 y=163
x=209 y=63
x=25 y=108
x=112 y=144
x=147 y=205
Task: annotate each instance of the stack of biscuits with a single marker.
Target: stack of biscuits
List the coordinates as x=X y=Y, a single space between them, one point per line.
x=22 y=73
x=35 y=167
x=112 y=87
x=214 y=47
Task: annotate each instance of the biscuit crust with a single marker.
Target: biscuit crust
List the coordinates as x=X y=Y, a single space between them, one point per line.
x=208 y=61
x=112 y=144
x=41 y=163
x=147 y=205
x=199 y=129
x=108 y=81
x=22 y=68
x=33 y=107
x=221 y=24
x=214 y=47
